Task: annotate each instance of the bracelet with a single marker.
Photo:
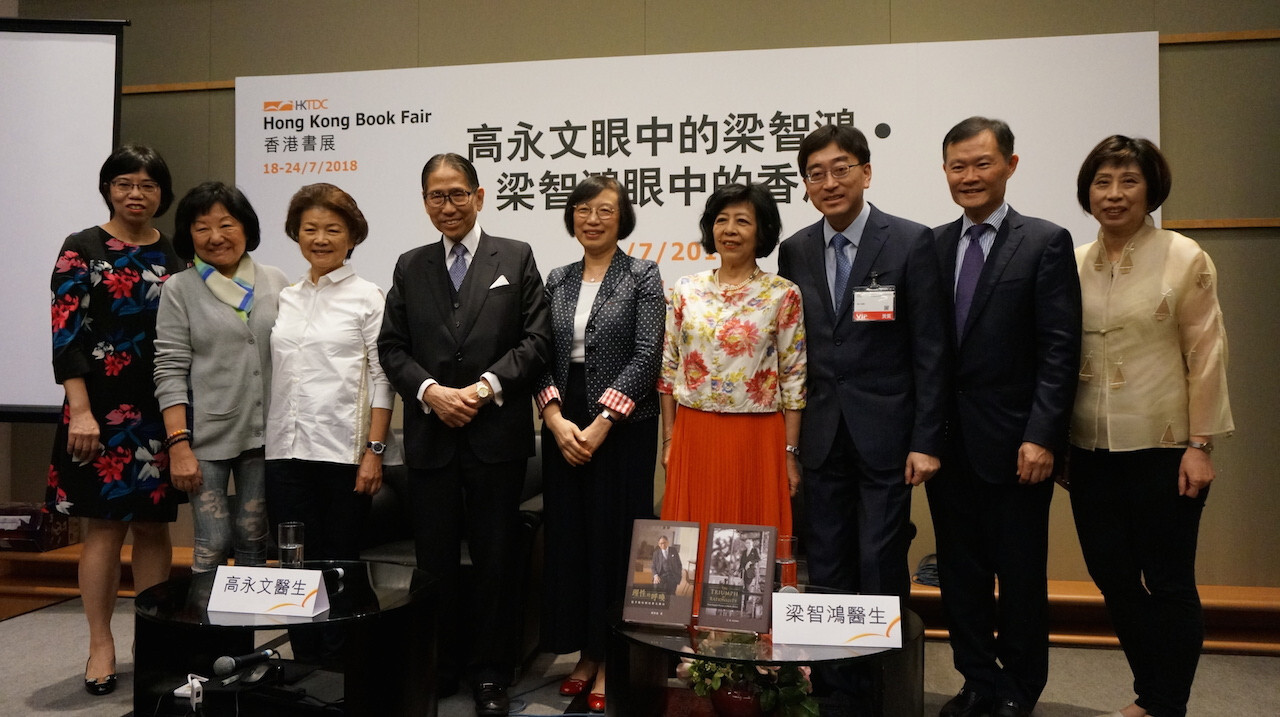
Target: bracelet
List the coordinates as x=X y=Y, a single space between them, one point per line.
x=793 y=450
x=665 y=441
x=175 y=440
x=177 y=433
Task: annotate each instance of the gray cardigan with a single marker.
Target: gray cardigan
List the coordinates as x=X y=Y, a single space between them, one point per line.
x=208 y=357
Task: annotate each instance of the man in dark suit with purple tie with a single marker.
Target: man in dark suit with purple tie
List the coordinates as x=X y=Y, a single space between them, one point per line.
x=465 y=336
x=1015 y=336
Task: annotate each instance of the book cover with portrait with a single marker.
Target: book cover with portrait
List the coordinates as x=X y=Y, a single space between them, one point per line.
x=737 y=577
x=663 y=564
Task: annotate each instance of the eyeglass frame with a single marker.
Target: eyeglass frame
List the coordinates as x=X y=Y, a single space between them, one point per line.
x=584 y=212
x=437 y=199
x=124 y=186
x=834 y=172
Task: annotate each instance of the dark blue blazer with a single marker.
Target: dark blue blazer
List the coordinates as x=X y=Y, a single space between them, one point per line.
x=886 y=378
x=427 y=333
x=624 y=332
x=1017 y=357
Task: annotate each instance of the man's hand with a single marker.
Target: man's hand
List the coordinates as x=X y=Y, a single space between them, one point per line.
x=1035 y=463
x=456 y=407
x=921 y=467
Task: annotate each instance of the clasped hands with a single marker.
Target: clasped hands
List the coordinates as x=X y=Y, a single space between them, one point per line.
x=576 y=444
x=455 y=406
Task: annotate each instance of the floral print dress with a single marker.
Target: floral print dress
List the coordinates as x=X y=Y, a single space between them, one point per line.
x=105 y=296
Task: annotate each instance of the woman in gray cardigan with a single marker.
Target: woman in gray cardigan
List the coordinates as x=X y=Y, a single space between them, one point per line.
x=213 y=371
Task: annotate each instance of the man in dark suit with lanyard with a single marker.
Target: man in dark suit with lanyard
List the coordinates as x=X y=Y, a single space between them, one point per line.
x=465 y=335
x=873 y=425
x=1016 y=338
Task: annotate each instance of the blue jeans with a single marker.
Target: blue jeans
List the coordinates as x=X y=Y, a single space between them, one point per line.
x=212 y=510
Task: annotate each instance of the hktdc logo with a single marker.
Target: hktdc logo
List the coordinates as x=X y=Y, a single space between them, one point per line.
x=291 y=105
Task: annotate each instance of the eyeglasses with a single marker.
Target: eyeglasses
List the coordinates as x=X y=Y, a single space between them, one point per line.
x=839 y=171
x=124 y=186
x=605 y=212
x=457 y=196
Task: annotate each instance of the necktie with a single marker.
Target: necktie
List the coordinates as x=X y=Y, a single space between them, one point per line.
x=839 y=242
x=970 y=269
x=458 y=270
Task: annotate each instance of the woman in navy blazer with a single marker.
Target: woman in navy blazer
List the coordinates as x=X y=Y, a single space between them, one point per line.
x=600 y=408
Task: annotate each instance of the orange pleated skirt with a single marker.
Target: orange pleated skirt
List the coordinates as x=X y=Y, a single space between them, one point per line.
x=727 y=468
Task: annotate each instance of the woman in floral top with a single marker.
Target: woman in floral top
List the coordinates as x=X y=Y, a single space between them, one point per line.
x=109 y=459
x=733 y=374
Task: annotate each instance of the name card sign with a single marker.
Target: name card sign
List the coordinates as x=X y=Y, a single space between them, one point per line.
x=834 y=619
x=269 y=591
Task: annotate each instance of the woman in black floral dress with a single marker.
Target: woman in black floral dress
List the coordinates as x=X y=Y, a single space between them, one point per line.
x=110 y=462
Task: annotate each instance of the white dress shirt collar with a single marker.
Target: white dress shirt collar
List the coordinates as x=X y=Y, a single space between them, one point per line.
x=471 y=241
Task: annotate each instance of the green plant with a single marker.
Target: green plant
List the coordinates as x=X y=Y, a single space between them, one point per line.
x=784 y=689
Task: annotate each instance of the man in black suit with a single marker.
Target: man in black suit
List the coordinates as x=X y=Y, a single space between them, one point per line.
x=465 y=335
x=1015 y=298
x=666 y=566
x=873 y=425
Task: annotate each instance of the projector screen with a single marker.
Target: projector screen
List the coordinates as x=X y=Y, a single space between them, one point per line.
x=60 y=109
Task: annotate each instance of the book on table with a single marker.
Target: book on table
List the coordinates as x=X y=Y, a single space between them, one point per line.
x=662 y=568
x=737 y=577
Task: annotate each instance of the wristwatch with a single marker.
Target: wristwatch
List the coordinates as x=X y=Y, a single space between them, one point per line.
x=1207 y=446
x=483 y=392
x=793 y=450
x=378 y=447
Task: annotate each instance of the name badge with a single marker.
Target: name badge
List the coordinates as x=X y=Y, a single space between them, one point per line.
x=833 y=619
x=269 y=591
x=873 y=303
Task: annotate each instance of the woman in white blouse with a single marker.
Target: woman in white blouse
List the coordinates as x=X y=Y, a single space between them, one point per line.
x=1152 y=395
x=330 y=402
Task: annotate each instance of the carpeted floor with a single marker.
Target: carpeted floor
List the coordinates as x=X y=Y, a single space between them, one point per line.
x=42 y=661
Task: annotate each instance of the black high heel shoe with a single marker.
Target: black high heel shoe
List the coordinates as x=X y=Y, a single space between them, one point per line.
x=99 y=687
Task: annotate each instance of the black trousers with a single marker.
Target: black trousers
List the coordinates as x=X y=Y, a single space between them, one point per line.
x=481 y=501
x=989 y=531
x=856 y=523
x=589 y=513
x=1139 y=542
x=856 y=540
x=322 y=496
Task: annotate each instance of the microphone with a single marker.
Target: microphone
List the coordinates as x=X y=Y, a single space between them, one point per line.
x=226 y=664
x=334 y=573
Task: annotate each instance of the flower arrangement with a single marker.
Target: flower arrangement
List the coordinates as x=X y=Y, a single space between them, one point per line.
x=784 y=691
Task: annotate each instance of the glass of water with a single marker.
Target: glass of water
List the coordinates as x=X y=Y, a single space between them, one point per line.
x=784 y=573
x=290 y=538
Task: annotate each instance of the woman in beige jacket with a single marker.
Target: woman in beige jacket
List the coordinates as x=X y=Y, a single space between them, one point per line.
x=1152 y=396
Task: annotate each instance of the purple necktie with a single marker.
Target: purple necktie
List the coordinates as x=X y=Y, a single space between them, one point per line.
x=970 y=270
x=458 y=269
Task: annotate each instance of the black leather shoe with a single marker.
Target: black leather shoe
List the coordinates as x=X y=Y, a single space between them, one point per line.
x=968 y=703
x=1009 y=708
x=491 y=700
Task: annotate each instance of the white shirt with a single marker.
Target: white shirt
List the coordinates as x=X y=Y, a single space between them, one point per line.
x=324 y=354
x=586 y=299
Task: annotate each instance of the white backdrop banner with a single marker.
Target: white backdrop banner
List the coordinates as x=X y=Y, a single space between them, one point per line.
x=674 y=127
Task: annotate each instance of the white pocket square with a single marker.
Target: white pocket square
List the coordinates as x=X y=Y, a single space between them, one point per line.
x=500 y=281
